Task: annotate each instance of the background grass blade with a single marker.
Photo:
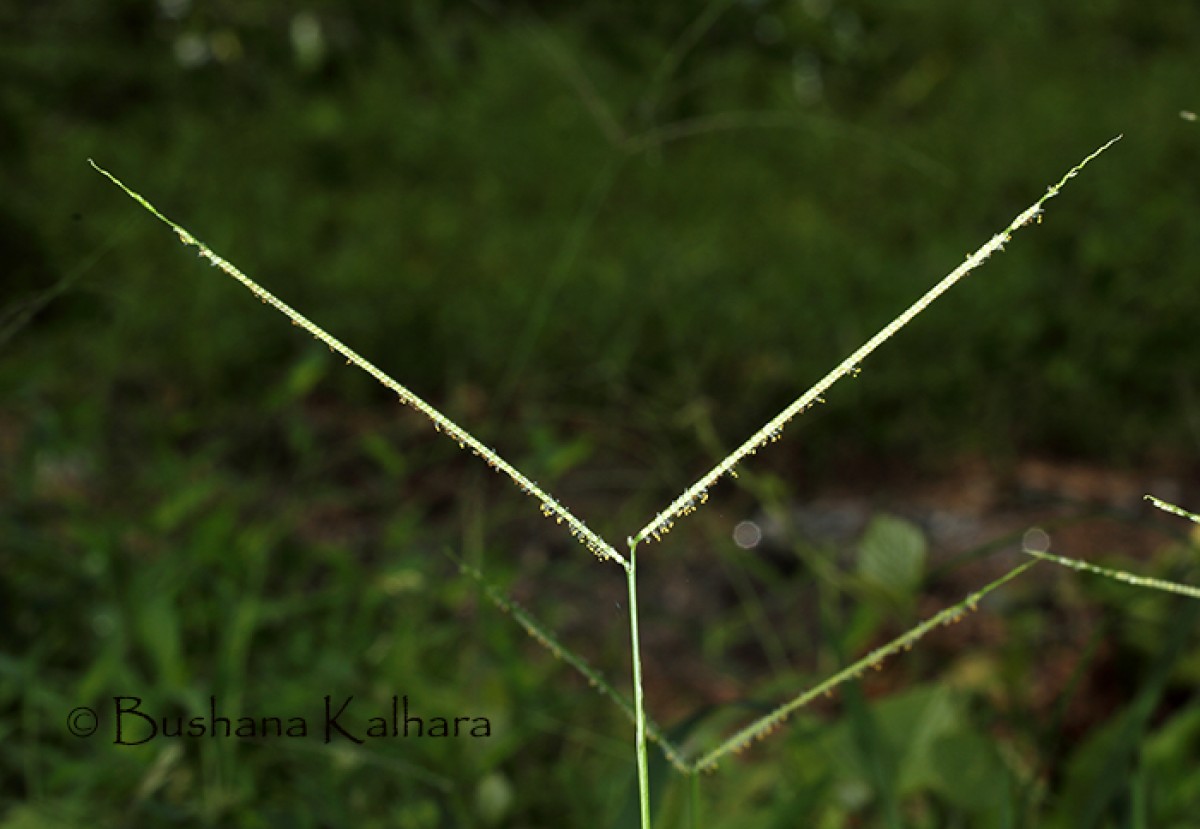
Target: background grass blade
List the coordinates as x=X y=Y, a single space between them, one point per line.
x=1108 y=768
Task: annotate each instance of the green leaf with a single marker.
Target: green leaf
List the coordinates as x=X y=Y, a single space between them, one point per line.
x=891 y=555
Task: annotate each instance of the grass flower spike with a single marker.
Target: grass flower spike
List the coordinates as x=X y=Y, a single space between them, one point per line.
x=692 y=498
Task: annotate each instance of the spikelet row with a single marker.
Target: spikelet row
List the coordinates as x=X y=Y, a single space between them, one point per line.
x=443 y=424
x=851 y=366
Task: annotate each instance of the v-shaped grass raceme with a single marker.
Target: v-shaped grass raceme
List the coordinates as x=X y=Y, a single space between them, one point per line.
x=688 y=501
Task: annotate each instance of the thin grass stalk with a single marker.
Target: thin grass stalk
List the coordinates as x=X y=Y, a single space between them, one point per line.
x=697 y=494
x=1123 y=575
x=1174 y=510
x=1117 y=575
x=688 y=39
x=550 y=506
x=639 y=703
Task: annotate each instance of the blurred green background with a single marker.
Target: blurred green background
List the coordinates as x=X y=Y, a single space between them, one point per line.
x=610 y=239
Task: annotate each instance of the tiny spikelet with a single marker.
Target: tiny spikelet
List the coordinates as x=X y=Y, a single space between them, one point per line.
x=441 y=423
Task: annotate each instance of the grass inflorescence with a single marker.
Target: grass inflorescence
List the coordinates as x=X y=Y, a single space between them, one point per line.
x=689 y=501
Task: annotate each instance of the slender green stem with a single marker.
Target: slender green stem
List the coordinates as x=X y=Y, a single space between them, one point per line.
x=639 y=704
x=1117 y=575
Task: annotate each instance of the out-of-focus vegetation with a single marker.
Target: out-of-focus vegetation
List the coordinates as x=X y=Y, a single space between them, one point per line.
x=597 y=208
x=600 y=236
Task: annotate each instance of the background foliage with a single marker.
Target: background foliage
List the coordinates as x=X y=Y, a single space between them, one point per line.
x=611 y=240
